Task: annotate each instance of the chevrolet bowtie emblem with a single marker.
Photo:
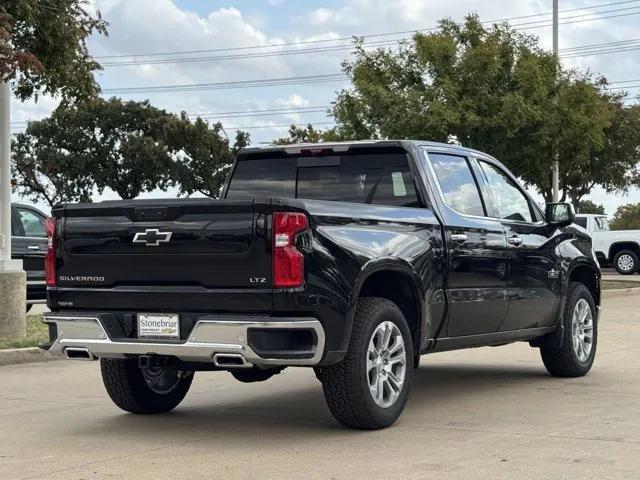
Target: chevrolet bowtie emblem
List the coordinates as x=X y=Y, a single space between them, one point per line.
x=152 y=237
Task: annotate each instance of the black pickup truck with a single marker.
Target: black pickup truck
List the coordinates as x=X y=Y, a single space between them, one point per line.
x=351 y=258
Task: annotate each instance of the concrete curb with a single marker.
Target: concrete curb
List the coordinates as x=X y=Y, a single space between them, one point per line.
x=16 y=356
x=620 y=292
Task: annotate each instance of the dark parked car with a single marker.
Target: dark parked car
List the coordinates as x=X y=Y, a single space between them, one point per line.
x=351 y=258
x=29 y=244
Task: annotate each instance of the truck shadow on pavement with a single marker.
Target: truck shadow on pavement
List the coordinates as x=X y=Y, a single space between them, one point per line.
x=297 y=409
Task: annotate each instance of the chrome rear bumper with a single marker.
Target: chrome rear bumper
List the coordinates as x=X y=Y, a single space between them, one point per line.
x=210 y=337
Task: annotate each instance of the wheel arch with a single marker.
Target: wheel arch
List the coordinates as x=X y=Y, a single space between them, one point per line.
x=375 y=280
x=616 y=247
x=581 y=271
x=589 y=276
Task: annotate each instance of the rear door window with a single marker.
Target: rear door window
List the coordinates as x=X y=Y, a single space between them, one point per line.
x=457 y=184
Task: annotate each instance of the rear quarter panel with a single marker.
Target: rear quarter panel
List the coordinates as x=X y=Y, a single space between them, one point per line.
x=350 y=242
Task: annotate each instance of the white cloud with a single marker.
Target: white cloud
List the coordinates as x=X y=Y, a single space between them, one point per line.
x=324 y=16
x=294 y=100
x=390 y=15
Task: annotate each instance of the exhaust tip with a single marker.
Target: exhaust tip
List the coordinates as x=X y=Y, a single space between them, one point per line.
x=74 y=353
x=230 y=360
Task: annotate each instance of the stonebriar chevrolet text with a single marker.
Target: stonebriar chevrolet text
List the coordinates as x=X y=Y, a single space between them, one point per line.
x=352 y=258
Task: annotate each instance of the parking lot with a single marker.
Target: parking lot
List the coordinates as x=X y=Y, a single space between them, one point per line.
x=484 y=413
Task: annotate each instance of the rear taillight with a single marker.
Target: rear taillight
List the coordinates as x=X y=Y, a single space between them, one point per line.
x=50 y=256
x=288 y=261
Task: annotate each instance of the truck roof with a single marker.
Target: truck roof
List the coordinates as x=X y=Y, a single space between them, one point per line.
x=26 y=205
x=345 y=146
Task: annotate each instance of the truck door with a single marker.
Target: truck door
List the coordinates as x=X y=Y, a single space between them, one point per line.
x=534 y=272
x=476 y=286
x=29 y=244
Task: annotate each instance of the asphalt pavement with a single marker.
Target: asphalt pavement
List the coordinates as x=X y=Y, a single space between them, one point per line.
x=488 y=413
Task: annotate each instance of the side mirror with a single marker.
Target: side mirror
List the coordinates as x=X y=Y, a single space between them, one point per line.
x=559 y=214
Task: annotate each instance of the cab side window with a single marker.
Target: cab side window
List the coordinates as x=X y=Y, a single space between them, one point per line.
x=508 y=200
x=32 y=223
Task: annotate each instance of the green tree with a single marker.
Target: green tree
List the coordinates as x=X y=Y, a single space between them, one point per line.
x=42 y=172
x=202 y=154
x=102 y=143
x=497 y=91
x=43 y=48
x=587 y=206
x=615 y=166
x=126 y=141
x=627 y=217
x=126 y=146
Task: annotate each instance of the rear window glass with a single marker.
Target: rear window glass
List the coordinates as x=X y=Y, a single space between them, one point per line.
x=381 y=179
x=263 y=178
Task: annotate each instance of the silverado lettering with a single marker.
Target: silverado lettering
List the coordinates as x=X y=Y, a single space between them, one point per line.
x=81 y=278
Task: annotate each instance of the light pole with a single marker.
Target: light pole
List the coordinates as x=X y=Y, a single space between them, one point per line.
x=5 y=174
x=13 y=291
x=556 y=167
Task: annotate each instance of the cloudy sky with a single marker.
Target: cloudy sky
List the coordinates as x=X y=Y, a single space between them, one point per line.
x=217 y=42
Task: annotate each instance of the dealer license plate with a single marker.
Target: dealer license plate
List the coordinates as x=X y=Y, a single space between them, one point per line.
x=158 y=325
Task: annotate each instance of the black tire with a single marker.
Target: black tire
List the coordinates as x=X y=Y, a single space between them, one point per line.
x=564 y=361
x=346 y=384
x=129 y=389
x=630 y=256
x=255 y=374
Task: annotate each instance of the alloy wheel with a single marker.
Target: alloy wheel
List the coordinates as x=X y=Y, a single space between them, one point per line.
x=625 y=262
x=386 y=364
x=582 y=330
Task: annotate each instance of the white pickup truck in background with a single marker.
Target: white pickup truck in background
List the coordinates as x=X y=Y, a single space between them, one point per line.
x=619 y=248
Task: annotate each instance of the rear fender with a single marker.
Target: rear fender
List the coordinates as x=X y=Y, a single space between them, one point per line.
x=395 y=265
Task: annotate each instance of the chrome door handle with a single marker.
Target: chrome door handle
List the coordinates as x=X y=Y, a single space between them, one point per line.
x=33 y=247
x=516 y=241
x=459 y=237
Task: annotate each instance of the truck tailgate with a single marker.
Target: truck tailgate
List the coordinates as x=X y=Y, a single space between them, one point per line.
x=185 y=243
